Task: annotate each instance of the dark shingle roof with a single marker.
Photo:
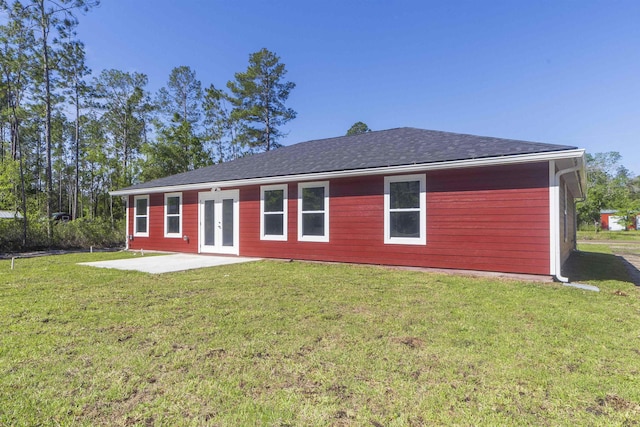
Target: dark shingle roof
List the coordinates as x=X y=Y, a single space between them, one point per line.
x=393 y=147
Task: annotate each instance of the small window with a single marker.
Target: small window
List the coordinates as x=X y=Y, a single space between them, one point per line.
x=141 y=216
x=405 y=210
x=173 y=215
x=313 y=211
x=273 y=212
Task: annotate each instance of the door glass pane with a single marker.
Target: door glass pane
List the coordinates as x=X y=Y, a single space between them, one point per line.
x=209 y=223
x=313 y=199
x=227 y=222
x=313 y=224
x=405 y=224
x=404 y=195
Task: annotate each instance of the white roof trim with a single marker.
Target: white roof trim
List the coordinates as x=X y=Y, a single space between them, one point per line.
x=487 y=161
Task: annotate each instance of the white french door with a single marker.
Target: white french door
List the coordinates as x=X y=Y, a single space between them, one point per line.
x=218 y=222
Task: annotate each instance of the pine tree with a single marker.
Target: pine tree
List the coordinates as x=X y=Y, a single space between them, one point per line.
x=259 y=96
x=178 y=147
x=16 y=64
x=46 y=17
x=74 y=72
x=182 y=95
x=221 y=129
x=126 y=106
x=358 y=128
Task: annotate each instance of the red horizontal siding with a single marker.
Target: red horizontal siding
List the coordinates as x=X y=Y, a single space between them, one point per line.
x=156 y=239
x=494 y=219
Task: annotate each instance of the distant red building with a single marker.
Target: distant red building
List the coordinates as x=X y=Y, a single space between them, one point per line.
x=611 y=220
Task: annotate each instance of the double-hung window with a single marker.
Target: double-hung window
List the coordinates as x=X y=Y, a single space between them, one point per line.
x=273 y=212
x=141 y=216
x=405 y=210
x=173 y=215
x=313 y=211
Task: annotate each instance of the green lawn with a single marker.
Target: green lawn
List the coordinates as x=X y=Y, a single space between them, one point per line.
x=632 y=235
x=299 y=344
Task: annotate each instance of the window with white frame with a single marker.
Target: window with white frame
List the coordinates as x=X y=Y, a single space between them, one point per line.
x=313 y=211
x=273 y=212
x=173 y=215
x=141 y=216
x=405 y=210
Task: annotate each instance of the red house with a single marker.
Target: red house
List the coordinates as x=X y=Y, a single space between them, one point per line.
x=405 y=197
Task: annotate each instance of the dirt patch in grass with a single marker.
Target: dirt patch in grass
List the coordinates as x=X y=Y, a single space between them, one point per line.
x=613 y=403
x=411 y=342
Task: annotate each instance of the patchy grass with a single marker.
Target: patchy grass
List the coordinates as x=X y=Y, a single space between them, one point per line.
x=631 y=235
x=628 y=248
x=277 y=344
x=594 y=263
x=611 y=247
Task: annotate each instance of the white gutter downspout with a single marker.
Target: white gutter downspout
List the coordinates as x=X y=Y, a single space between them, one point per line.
x=556 y=253
x=126 y=216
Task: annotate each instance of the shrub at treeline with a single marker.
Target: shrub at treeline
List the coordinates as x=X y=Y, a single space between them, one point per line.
x=82 y=233
x=69 y=135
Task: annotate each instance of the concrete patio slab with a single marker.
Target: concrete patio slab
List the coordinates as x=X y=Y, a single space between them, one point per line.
x=169 y=263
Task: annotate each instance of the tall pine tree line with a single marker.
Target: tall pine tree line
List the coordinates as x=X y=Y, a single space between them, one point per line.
x=67 y=138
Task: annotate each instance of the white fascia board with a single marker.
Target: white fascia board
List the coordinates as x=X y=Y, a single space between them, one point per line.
x=387 y=170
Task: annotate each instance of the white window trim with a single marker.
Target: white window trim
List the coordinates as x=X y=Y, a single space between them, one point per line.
x=301 y=186
x=284 y=213
x=422 y=240
x=135 y=216
x=179 y=215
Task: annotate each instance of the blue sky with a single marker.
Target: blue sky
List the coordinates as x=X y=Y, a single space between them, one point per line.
x=562 y=72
